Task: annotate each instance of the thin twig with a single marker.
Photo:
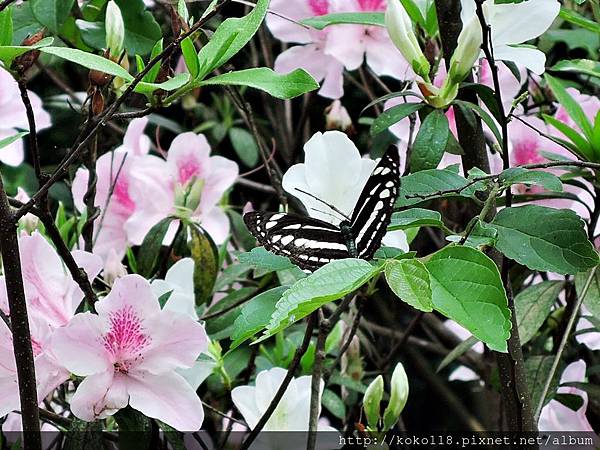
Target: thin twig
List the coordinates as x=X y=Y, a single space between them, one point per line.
x=222 y=414
x=283 y=387
x=563 y=343
x=316 y=380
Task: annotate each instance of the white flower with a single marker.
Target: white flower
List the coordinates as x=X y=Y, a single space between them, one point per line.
x=113 y=268
x=513 y=24
x=333 y=171
x=179 y=281
x=292 y=412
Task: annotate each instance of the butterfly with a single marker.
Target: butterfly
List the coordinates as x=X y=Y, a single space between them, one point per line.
x=311 y=243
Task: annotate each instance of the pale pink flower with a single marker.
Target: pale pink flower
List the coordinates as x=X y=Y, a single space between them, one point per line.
x=589 y=104
x=28 y=222
x=128 y=353
x=353 y=44
x=510 y=86
x=557 y=417
x=50 y=290
x=590 y=338
x=310 y=55
x=156 y=181
x=114 y=171
x=13 y=115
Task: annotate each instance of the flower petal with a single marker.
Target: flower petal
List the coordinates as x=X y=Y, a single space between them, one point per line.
x=166 y=397
x=531 y=58
x=244 y=399
x=130 y=291
x=99 y=396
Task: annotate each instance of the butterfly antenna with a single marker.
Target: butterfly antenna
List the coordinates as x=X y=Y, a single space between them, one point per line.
x=325 y=212
x=325 y=203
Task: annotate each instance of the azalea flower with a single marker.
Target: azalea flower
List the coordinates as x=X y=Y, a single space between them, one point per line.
x=114 y=171
x=292 y=412
x=557 y=417
x=157 y=185
x=463 y=373
x=128 y=353
x=50 y=290
x=589 y=338
x=13 y=117
x=310 y=55
x=353 y=44
x=512 y=24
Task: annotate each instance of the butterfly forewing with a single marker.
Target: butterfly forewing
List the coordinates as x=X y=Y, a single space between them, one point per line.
x=307 y=242
x=373 y=210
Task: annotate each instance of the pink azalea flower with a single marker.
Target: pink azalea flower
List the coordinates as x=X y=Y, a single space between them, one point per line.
x=13 y=116
x=155 y=183
x=310 y=55
x=51 y=293
x=128 y=353
x=114 y=171
x=353 y=44
x=557 y=417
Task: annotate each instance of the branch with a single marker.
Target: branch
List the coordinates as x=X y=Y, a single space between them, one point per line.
x=5 y=4
x=563 y=342
x=97 y=124
x=315 y=384
x=9 y=247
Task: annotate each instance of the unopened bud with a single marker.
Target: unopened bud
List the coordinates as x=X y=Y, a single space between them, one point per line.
x=372 y=401
x=113 y=268
x=400 y=29
x=115 y=29
x=398 y=397
x=337 y=118
x=467 y=51
x=97 y=102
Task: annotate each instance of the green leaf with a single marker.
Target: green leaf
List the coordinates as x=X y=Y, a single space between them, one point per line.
x=466 y=106
x=89 y=61
x=533 y=306
x=190 y=56
x=359 y=18
x=51 y=13
x=9 y=140
x=6 y=27
x=283 y=86
x=592 y=297
x=230 y=37
x=347 y=382
x=409 y=280
x=393 y=115
x=487 y=96
x=263 y=259
x=141 y=29
x=466 y=287
x=244 y=145
x=334 y=404
x=518 y=175
x=573 y=108
x=255 y=315
x=326 y=284
x=582 y=145
x=430 y=142
x=221 y=326
x=537 y=369
x=135 y=429
x=482 y=235
x=427 y=184
x=545 y=239
x=458 y=351
x=169 y=85
x=415 y=217
x=583 y=66
x=154 y=71
x=413 y=11
x=206 y=263
x=10 y=52
x=577 y=19
x=150 y=248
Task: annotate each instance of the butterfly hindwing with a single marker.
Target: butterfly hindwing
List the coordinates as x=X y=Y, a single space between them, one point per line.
x=373 y=210
x=309 y=243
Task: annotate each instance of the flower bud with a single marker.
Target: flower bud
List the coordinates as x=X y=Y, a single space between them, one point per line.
x=28 y=222
x=398 y=397
x=113 y=268
x=97 y=102
x=115 y=29
x=337 y=118
x=400 y=29
x=372 y=400
x=467 y=51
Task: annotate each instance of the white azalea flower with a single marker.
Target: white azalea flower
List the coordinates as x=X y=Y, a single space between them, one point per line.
x=513 y=24
x=179 y=281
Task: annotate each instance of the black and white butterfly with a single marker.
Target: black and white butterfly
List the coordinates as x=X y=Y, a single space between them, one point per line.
x=311 y=243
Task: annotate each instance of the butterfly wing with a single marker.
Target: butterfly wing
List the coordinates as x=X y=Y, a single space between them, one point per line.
x=373 y=210
x=307 y=242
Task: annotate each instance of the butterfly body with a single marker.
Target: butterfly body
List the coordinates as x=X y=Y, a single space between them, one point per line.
x=311 y=243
